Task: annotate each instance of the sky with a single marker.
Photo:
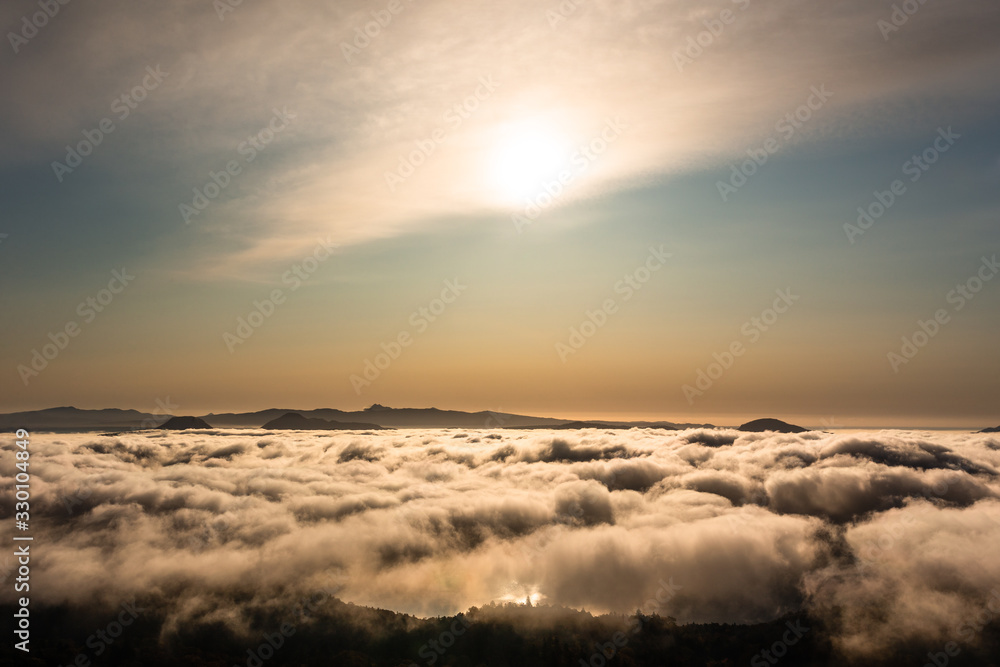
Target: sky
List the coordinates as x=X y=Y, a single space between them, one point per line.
x=577 y=209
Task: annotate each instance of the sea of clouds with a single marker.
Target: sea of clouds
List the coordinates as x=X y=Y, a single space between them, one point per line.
x=888 y=535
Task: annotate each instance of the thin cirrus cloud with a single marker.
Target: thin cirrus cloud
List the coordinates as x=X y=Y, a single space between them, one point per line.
x=752 y=526
x=355 y=119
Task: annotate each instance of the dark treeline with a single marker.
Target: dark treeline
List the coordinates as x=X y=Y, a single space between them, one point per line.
x=331 y=632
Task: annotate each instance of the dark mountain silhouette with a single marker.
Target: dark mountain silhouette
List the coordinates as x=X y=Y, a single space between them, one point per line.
x=295 y=421
x=667 y=426
x=760 y=425
x=74 y=419
x=995 y=429
x=249 y=419
x=389 y=417
x=181 y=423
x=429 y=418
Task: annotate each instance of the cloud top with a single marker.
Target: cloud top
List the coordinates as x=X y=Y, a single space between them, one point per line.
x=753 y=526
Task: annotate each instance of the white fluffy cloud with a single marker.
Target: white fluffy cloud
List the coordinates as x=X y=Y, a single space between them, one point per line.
x=890 y=534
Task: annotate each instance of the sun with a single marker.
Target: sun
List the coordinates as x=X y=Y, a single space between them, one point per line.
x=524 y=156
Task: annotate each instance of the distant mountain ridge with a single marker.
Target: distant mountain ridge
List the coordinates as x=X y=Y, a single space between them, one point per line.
x=569 y=425
x=389 y=417
x=295 y=421
x=381 y=415
x=64 y=419
x=69 y=418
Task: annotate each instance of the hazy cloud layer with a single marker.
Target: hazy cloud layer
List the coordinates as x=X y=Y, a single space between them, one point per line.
x=894 y=534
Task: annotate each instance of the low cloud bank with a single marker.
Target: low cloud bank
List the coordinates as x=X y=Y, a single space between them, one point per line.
x=886 y=536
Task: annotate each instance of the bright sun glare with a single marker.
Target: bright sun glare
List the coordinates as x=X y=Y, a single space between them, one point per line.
x=525 y=155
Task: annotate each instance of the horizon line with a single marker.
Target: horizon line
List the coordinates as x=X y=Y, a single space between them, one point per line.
x=716 y=420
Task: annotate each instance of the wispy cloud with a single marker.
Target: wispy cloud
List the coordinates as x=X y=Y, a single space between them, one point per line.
x=326 y=173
